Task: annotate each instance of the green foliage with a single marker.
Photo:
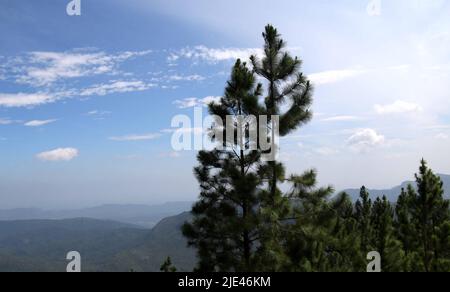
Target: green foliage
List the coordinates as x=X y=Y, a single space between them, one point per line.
x=226 y=219
x=384 y=240
x=105 y=246
x=239 y=220
x=363 y=214
x=243 y=221
x=168 y=267
x=429 y=216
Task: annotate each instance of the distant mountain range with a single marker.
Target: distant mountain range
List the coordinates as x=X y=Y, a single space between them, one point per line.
x=115 y=238
x=42 y=245
x=141 y=215
x=393 y=193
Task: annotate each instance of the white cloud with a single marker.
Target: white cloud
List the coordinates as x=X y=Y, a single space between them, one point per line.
x=438 y=127
x=214 y=55
x=333 y=76
x=45 y=68
x=6 y=121
x=442 y=136
x=98 y=114
x=193 y=101
x=187 y=78
x=365 y=139
x=133 y=137
x=36 y=99
x=60 y=154
x=173 y=58
x=403 y=67
x=398 y=107
x=326 y=151
x=341 y=119
x=39 y=123
x=26 y=99
x=173 y=154
x=116 y=87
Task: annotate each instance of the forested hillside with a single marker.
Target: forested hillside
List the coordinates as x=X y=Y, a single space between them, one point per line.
x=42 y=245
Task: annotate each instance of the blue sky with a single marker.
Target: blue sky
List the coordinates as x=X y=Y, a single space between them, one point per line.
x=86 y=101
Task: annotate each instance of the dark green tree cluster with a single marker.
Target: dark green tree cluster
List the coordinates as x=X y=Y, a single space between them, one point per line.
x=244 y=221
x=168 y=267
x=412 y=234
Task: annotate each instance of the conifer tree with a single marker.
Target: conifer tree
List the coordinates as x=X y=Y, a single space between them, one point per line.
x=363 y=209
x=243 y=221
x=323 y=237
x=226 y=218
x=286 y=85
x=405 y=230
x=430 y=218
x=384 y=240
x=308 y=236
x=168 y=267
x=346 y=235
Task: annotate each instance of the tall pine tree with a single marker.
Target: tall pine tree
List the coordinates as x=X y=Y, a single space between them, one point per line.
x=405 y=231
x=287 y=86
x=384 y=240
x=226 y=218
x=320 y=238
x=363 y=209
x=430 y=218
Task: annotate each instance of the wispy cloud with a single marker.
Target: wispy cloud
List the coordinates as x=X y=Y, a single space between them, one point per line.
x=187 y=78
x=334 y=76
x=7 y=121
x=193 y=101
x=134 y=137
x=39 y=123
x=326 y=151
x=36 y=99
x=26 y=99
x=98 y=114
x=173 y=154
x=442 y=136
x=60 y=154
x=437 y=127
x=116 y=87
x=2 y=68
x=342 y=119
x=398 y=107
x=45 y=68
x=214 y=55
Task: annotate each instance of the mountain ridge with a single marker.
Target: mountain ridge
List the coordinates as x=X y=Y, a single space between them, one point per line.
x=41 y=245
x=393 y=193
x=141 y=215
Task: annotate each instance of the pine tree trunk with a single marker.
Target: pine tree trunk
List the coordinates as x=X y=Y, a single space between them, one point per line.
x=246 y=235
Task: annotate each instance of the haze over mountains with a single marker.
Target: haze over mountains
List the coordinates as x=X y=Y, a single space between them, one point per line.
x=140 y=215
x=42 y=245
x=149 y=216
x=110 y=237
x=393 y=193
